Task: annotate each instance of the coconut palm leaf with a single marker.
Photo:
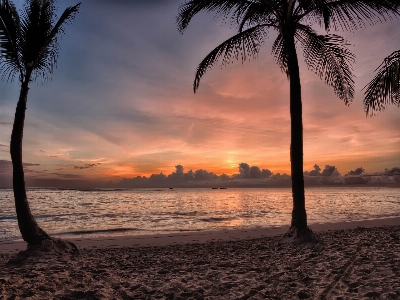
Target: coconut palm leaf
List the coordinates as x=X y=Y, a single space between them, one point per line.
x=260 y=12
x=351 y=15
x=384 y=89
x=39 y=38
x=188 y=9
x=244 y=45
x=9 y=32
x=279 y=51
x=330 y=59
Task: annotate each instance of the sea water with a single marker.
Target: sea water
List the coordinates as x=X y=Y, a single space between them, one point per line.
x=96 y=213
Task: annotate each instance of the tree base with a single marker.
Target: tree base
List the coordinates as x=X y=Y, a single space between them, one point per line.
x=295 y=236
x=50 y=246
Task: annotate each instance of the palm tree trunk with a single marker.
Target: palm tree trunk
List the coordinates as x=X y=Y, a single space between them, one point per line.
x=299 y=216
x=30 y=230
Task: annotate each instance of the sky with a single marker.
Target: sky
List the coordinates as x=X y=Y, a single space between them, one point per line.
x=120 y=103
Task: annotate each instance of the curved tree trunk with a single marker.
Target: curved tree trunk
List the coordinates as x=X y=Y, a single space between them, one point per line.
x=30 y=230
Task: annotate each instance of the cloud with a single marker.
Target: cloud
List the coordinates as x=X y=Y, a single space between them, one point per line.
x=244 y=170
x=357 y=171
x=393 y=171
x=315 y=172
x=7 y=168
x=67 y=176
x=86 y=166
x=128 y=98
x=328 y=171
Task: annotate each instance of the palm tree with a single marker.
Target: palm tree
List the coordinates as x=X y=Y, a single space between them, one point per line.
x=384 y=89
x=326 y=55
x=29 y=46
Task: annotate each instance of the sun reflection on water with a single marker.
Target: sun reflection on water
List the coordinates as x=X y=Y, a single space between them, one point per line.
x=144 y=211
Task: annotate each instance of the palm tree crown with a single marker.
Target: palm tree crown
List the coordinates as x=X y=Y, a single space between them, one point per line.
x=326 y=55
x=29 y=44
x=384 y=89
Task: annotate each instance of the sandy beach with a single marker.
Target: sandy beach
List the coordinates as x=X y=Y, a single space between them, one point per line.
x=356 y=260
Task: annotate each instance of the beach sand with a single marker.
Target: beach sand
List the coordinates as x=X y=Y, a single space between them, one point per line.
x=356 y=260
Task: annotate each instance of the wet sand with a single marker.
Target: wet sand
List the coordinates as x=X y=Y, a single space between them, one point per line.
x=356 y=260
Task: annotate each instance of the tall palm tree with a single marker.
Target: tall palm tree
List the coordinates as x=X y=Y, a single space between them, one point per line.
x=384 y=89
x=326 y=55
x=29 y=46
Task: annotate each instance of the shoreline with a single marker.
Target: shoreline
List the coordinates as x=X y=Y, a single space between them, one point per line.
x=358 y=263
x=195 y=237
x=355 y=260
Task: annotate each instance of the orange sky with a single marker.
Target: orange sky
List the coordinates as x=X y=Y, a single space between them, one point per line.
x=121 y=103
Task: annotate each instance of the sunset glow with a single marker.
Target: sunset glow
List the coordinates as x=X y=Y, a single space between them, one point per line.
x=121 y=103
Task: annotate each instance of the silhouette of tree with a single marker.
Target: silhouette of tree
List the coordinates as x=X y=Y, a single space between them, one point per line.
x=384 y=89
x=29 y=46
x=326 y=55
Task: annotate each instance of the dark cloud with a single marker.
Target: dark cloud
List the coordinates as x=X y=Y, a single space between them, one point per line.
x=328 y=171
x=244 y=170
x=67 y=176
x=357 y=171
x=316 y=171
x=255 y=172
x=6 y=167
x=179 y=169
x=393 y=171
x=86 y=166
x=265 y=173
x=30 y=171
x=30 y=165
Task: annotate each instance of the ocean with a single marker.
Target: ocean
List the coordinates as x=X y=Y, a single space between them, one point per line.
x=97 y=213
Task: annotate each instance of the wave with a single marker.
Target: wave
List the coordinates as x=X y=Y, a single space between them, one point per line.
x=189 y=213
x=8 y=218
x=219 y=219
x=95 y=231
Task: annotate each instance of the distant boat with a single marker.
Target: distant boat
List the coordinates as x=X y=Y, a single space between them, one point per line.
x=223 y=188
x=214 y=188
x=171 y=188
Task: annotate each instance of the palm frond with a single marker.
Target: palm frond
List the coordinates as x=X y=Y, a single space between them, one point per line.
x=384 y=89
x=37 y=19
x=10 y=63
x=259 y=12
x=224 y=8
x=279 y=51
x=330 y=59
x=39 y=37
x=244 y=45
x=316 y=10
x=67 y=17
x=50 y=51
x=354 y=14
